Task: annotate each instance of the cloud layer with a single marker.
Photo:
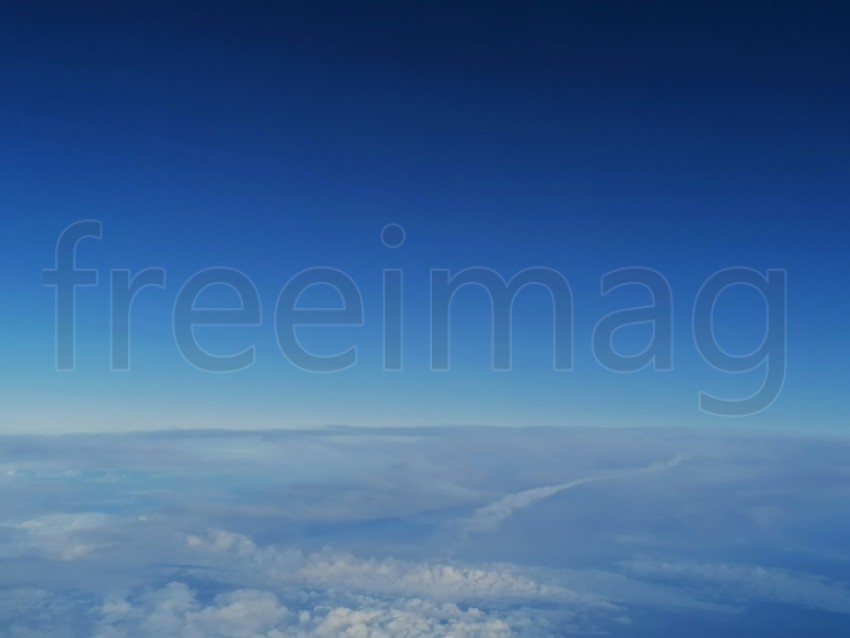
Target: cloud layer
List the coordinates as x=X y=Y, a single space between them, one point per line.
x=448 y=532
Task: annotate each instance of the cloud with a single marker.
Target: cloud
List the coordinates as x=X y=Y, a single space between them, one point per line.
x=57 y=536
x=379 y=533
x=490 y=517
x=341 y=570
x=750 y=582
x=174 y=611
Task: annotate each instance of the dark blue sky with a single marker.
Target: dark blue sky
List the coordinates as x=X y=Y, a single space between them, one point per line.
x=273 y=137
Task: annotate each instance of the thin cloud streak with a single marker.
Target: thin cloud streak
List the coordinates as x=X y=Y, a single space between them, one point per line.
x=490 y=517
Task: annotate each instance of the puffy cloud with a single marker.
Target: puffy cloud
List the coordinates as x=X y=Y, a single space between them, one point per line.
x=57 y=536
x=341 y=570
x=175 y=612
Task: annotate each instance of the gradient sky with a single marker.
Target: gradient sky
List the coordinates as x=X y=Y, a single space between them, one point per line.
x=274 y=137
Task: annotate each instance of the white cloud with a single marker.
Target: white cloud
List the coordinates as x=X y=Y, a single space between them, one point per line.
x=490 y=517
x=751 y=582
x=388 y=509
x=175 y=612
x=57 y=536
x=341 y=570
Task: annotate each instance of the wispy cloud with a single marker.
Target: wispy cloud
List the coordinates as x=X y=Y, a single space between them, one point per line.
x=490 y=517
x=751 y=582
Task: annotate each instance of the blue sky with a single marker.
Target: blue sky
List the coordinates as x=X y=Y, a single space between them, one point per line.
x=581 y=138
